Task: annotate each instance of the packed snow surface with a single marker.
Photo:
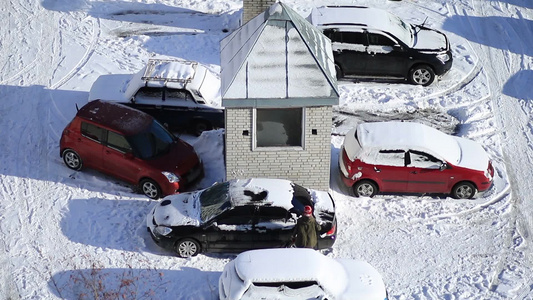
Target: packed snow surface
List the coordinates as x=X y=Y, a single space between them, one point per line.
x=82 y=235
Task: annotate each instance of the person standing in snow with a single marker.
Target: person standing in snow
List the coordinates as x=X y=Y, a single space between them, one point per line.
x=306 y=230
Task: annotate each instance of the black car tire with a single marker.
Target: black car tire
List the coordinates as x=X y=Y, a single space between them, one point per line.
x=365 y=188
x=464 y=190
x=199 y=126
x=187 y=248
x=421 y=75
x=150 y=188
x=338 y=72
x=72 y=159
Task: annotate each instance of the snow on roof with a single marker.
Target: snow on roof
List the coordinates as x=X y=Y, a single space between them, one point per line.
x=277 y=192
x=169 y=70
x=277 y=55
x=116 y=116
x=297 y=264
x=372 y=18
x=409 y=135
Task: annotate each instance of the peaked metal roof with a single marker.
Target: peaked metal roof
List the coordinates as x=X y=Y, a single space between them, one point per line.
x=277 y=55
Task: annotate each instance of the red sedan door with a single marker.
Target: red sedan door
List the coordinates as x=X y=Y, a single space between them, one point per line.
x=425 y=175
x=391 y=171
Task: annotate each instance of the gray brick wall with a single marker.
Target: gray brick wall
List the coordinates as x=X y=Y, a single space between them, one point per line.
x=252 y=8
x=309 y=166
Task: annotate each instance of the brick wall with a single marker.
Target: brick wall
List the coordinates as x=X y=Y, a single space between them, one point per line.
x=309 y=166
x=252 y=8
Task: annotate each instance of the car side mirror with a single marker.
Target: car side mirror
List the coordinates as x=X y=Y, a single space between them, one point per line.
x=443 y=166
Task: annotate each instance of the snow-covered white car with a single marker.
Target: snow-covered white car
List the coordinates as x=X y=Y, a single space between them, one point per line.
x=178 y=93
x=409 y=157
x=371 y=42
x=293 y=273
x=239 y=215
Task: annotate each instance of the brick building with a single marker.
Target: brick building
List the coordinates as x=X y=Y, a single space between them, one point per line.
x=278 y=88
x=252 y=8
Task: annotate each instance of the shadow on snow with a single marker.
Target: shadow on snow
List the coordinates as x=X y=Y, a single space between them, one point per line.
x=130 y=283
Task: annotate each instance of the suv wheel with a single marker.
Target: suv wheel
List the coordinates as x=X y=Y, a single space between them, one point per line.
x=365 y=188
x=72 y=159
x=151 y=189
x=421 y=75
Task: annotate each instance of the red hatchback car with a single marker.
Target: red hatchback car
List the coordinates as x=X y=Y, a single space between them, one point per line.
x=130 y=145
x=407 y=157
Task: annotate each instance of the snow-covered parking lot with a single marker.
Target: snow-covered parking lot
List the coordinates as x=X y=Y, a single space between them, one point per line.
x=82 y=235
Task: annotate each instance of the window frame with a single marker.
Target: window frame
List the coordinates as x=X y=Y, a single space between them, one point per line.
x=278 y=148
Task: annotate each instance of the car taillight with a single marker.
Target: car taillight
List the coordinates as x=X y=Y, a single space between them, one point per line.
x=332 y=230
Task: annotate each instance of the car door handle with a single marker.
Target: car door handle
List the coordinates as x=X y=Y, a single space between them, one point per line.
x=377 y=170
x=414 y=172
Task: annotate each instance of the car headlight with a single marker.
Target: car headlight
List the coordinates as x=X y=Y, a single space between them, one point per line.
x=171 y=177
x=443 y=57
x=162 y=230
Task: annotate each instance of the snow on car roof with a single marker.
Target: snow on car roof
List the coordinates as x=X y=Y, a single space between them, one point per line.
x=363 y=16
x=409 y=135
x=116 y=116
x=277 y=192
x=297 y=264
x=169 y=70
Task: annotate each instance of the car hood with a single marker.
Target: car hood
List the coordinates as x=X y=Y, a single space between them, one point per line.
x=364 y=282
x=473 y=156
x=176 y=210
x=110 y=87
x=179 y=159
x=429 y=39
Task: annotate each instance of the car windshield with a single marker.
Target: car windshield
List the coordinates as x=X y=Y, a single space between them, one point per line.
x=403 y=31
x=153 y=142
x=214 y=201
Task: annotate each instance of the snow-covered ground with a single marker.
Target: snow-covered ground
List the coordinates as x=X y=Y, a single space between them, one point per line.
x=76 y=235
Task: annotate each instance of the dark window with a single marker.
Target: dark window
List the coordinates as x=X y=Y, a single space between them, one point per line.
x=354 y=38
x=152 y=143
x=240 y=215
x=175 y=94
x=279 y=127
x=379 y=40
x=118 y=142
x=289 y=284
x=214 y=200
x=272 y=213
x=149 y=92
x=92 y=131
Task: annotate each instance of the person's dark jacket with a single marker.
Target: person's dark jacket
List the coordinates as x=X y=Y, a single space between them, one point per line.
x=306 y=232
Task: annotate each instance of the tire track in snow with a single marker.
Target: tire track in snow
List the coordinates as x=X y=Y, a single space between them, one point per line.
x=87 y=55
x=519 y=218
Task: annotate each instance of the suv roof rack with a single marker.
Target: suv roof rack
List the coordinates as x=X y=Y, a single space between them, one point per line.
x=154 y=62
x=344 y=24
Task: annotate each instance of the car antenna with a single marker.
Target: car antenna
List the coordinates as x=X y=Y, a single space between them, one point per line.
x=77 y=108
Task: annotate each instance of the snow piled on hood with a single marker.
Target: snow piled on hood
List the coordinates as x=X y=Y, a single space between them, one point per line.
x=179 y=209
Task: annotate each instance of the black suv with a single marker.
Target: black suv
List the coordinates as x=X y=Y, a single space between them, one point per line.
x=369 y=42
